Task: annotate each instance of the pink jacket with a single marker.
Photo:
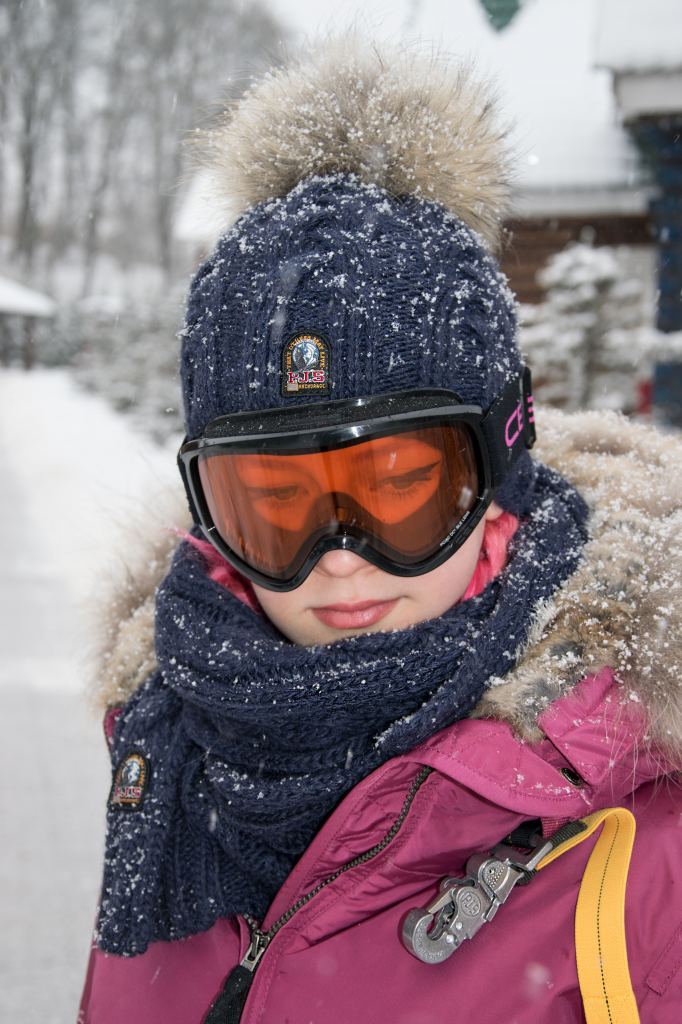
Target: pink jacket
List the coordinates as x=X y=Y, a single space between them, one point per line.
x=340 y=959
x=557 y=739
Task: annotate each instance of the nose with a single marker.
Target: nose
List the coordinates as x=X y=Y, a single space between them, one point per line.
x=341 y=564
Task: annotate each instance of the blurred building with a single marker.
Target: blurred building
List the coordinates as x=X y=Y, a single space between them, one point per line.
x=640 y=43
x=20 y=307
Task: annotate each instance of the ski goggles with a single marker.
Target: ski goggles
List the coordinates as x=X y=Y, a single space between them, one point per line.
x=401 y=479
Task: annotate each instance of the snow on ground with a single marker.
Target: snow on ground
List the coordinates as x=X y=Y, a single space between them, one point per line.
x=73 y=474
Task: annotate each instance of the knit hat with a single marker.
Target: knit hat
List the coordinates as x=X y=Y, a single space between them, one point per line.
x=369 y=190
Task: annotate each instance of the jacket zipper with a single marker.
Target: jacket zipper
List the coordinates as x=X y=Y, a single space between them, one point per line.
x=228 y=1006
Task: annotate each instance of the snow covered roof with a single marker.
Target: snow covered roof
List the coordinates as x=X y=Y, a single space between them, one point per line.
x=595 y=201
x=18 y=300
x=639 y=35
x=641 y=43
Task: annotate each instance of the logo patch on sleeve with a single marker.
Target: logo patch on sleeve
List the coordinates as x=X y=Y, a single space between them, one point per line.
x=306 y=365
x=131 y=780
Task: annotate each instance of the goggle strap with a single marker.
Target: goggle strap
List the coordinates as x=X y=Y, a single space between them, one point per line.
x=509 y=426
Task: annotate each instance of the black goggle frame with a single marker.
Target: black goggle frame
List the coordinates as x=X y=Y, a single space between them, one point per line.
x=501 y=434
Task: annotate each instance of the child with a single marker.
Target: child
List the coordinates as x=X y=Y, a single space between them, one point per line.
x=391 y=638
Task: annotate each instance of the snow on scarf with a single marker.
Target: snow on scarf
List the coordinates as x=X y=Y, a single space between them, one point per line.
x=252 y=741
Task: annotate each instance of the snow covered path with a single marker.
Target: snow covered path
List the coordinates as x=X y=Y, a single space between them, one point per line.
x=72 y=473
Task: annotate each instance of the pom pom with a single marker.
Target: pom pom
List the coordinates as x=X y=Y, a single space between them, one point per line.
x=394 y=117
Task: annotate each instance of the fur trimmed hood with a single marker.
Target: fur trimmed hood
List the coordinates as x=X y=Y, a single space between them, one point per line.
x=621 y=609
x=410 y=122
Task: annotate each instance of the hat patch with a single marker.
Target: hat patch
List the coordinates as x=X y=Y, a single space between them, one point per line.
x=131 y=780
x=306 y=365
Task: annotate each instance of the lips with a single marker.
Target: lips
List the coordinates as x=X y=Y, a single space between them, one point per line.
x=354 y=616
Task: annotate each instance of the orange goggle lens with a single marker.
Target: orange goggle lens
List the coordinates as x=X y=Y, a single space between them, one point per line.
x=403 y=494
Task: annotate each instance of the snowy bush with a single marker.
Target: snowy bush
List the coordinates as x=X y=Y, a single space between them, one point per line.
x=130 y=355
x=591 y=343
x=52 y=342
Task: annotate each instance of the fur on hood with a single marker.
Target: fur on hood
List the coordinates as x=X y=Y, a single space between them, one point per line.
x=622 y=608
x=410 y=122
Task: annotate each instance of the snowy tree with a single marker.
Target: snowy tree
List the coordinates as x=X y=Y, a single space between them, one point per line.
x=591 y=343
x=96 y=97
x=129 y=353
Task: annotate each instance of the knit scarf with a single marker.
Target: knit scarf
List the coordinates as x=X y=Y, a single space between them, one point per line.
x=251 y=741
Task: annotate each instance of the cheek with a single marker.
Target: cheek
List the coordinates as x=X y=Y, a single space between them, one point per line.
x=439 y=589
x=284 y=610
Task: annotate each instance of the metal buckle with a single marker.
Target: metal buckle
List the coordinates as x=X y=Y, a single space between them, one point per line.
x=464 y=905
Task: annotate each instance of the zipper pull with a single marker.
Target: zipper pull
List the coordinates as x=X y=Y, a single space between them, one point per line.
x=259 y=943
x=227 y=1008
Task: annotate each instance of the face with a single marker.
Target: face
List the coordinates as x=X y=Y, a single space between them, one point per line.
x=345 y=595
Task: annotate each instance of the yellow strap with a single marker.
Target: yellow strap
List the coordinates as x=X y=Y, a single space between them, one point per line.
x=600 y=948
